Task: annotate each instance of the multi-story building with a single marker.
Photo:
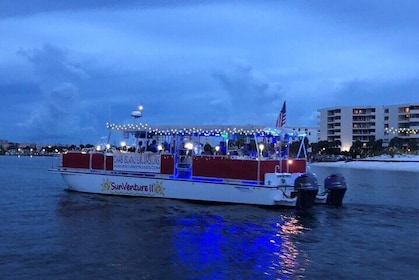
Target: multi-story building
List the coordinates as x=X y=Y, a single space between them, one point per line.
x=364 y=123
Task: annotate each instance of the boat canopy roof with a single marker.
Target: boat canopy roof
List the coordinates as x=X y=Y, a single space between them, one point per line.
x=206 y=130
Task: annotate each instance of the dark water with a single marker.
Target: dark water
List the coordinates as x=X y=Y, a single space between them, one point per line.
x=49 y=233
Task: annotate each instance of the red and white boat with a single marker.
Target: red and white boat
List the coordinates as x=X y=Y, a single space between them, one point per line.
x=250 y=165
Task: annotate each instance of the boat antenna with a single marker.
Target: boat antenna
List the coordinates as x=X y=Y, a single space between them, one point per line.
x=110 y=119
x=136 y=114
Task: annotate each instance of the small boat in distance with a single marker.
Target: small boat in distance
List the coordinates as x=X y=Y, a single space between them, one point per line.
x=228 y=164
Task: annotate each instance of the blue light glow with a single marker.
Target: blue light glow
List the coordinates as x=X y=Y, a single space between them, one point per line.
x=210 y=245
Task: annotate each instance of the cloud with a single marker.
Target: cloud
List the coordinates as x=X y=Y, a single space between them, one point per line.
x=53 y=65
x=248 y=96
x=17 y=8
x=25 y=8
x=57 y=116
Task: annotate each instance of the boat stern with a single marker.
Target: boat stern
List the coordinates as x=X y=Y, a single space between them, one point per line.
x=295 y=189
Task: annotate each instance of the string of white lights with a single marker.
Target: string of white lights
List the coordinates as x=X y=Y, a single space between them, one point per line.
x=203 y=131
x=402 y=130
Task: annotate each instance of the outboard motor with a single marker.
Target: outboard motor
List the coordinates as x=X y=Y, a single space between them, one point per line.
x=307 y=188
x=335 y=186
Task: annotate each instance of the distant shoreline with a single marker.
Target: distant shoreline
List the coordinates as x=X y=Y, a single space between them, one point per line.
x=384 y=160
x=409 y=165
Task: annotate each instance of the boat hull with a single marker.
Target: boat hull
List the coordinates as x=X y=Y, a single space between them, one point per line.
x=148 y=185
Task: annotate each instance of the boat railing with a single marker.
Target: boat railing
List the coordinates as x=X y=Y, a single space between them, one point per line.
x=279 y=168
x=187 y=166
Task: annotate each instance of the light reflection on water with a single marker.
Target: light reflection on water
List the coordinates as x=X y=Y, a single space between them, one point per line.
x=289 y=252
x=213 y=243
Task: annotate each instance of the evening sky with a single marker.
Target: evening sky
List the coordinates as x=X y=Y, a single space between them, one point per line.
x=68 y=67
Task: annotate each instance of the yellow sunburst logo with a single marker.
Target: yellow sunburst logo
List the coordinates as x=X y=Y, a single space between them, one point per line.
x=106 y=185
x=158 y=187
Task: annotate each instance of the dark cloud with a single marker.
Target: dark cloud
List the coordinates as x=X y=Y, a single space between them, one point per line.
x=52 y=64
x=57 y=113
x=249 y=97
x=24 y=8
x=17 y=101
x=57 y=116
x=18 y=8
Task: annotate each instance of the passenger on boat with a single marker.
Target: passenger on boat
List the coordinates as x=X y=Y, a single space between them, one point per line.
x=265 y=153
x=172 y=147
x=234 y=153
x=207 y=149
x=152 y=147
x=246 y=150
x=223 y=148
x=198 y=147
x=141 y=148
x=166 y=147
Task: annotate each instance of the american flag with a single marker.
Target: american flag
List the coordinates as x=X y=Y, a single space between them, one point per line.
x=282 y=118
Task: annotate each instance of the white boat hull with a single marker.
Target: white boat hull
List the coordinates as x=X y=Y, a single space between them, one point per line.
x=161 y=187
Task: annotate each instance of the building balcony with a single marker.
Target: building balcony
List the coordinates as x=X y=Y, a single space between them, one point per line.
x=363 y=133
x=363 y=120
x=363 y=112
x=364 y=126
x=361 y=139
x=331 y=133
x=404 y=120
